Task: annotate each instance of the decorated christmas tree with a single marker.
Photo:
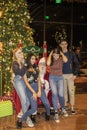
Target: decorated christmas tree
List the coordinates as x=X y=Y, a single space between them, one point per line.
x=14 y=32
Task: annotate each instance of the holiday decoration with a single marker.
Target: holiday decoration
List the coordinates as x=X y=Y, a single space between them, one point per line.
x=14 y=22
x=60 y=34
x=20 y=45
x=1 y=45
x=8 y=93
x=1 y=12
x=1 y=48
x=6 y=108
x=33 y=49
x=45 y=49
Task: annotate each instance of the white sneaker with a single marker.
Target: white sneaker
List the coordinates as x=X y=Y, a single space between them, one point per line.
x=56 y=118
x=29 y=122
x=20 y=115
x=64 y=112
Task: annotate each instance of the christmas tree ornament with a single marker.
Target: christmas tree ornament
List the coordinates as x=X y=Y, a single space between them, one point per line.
x=1 y=12
x=8 y=93
x=20 y=45
x=1 y=46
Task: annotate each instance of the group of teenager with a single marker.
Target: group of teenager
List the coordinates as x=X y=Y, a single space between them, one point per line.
x=27 y=82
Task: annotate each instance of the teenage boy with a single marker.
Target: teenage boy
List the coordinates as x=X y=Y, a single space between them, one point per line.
x=70 y=71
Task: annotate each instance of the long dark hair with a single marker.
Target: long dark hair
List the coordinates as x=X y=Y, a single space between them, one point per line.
x=28 y=60
x=57 y=51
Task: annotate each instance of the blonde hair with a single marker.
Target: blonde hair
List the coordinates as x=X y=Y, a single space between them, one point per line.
x=15 y=58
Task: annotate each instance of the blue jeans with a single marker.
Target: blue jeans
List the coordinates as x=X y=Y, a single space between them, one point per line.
x=33 y=102
x=20 y=88
x=56 y=84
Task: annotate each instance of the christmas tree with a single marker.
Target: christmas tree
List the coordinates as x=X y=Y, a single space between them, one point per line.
x=14 y=32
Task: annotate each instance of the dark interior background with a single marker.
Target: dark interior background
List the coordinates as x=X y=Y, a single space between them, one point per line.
x=72 y=16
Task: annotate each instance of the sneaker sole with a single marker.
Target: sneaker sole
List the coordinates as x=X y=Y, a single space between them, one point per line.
x=66 y=115
x=73 y=113
x=19 y=116
x=57 y=121
x=30 y=126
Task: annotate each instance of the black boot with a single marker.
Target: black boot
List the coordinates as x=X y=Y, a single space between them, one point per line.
x=47 y=117
x=33 y=118
x=19 y=124
x=52 y=112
